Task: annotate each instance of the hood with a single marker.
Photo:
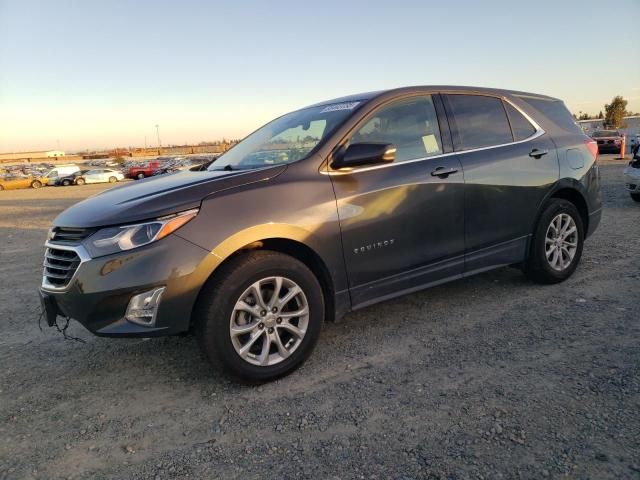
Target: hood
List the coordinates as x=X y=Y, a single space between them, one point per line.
x=156 y=196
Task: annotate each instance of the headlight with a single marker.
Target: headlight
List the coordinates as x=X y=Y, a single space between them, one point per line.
x=117 y=239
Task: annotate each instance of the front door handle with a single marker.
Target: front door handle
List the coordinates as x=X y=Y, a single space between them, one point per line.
x=443 y=172
x=535 y=153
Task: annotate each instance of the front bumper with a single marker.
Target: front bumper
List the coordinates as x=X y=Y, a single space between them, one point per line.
x=632 y=179
x=609 y=148
x=99 y=292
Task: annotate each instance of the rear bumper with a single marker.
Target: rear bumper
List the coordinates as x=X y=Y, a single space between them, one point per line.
x=594 y=221
x=100 y=291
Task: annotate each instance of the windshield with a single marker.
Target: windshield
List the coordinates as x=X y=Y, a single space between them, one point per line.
x=606 y=133
x=286 y=139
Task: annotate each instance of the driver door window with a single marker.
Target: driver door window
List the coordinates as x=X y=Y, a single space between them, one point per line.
x=410 y=124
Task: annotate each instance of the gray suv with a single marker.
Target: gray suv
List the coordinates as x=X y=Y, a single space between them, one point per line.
x=325 y=210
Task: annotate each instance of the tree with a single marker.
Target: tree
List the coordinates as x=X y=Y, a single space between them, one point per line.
x=615 y=112
x=600 y=115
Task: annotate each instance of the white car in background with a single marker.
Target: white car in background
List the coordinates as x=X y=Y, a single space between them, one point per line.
x=100 y=175
x=632 y=176
x=59 y=172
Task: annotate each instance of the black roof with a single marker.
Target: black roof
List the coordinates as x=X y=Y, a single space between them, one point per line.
x=362 y=97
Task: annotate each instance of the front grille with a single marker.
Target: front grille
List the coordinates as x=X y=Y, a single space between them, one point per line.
x=70 y=235
x=60 y=266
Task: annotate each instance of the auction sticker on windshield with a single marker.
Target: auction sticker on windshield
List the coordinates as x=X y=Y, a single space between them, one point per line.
x=340 y=106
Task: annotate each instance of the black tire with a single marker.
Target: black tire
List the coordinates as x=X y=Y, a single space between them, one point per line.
x=80 y=181
x=215 y=306
x=537 y=267
x=140 y=176
x=113 y=179
x=66 y=183
x=635 y=196
x=36 y=184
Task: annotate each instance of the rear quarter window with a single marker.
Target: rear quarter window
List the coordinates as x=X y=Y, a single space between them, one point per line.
x=555 y=112
x=521 y=127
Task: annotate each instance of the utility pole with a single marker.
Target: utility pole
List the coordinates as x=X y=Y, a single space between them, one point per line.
x=158 y=135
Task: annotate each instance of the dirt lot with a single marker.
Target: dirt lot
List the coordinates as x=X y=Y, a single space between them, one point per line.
x=489 y=377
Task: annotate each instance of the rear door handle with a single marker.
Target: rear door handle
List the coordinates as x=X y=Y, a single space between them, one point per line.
x=535 y=153
x=443 y=172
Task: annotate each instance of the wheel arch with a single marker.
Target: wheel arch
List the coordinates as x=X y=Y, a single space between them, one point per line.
x=571 y=190
x=292 y=244
x=574 y=196
x=567 y=189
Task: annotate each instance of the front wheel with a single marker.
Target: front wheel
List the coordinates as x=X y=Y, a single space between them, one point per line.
x=66 y=183
x=556 y=246
x=36 y=184
x=635 y=196
x=140 y=176
x=260 y=317
x=113 y=179
x=80 y=181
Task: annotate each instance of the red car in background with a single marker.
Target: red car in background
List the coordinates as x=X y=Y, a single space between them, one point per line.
x=138 y=173
x=609 y=141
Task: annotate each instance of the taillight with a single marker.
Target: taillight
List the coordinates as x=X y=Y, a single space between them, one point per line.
x=592 y=146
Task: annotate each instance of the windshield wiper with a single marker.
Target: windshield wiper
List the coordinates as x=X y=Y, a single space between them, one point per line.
x=226 y=168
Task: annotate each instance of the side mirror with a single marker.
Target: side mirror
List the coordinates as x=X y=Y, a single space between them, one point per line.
x=358 y=154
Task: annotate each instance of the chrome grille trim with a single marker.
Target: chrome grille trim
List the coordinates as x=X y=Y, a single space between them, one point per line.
x=61 y=264
x=70 y=235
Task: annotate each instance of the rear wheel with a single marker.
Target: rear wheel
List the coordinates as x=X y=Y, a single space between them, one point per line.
x=1 y=188
x=261 y=316
x=635 y=196
x=113 y=179
x=36 y=184
x=66 y=183
x=140 y=176
x=80 y=181
x=556 y=246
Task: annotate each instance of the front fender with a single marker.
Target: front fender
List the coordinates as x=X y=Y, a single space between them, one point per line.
x=246 y=237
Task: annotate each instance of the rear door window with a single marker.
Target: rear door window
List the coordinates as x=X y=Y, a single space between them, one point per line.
x=479 y=121
x=520 y=126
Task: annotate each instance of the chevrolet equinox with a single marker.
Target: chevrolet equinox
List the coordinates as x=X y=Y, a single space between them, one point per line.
x=325 y=210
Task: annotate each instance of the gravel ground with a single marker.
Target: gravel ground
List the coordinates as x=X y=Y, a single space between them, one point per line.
x=488 y=377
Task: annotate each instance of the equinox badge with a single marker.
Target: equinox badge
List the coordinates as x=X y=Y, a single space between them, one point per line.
x=374 y=246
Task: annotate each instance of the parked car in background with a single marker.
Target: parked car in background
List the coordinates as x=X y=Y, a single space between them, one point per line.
x=99 y=175
x=13 y=182
x=632 y=176
x=60 y=171
x=69 y=179
x=140 y=172
x=328 y=209
x=609 y=141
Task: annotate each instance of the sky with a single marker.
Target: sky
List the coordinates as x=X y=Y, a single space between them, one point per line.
x=92 y=74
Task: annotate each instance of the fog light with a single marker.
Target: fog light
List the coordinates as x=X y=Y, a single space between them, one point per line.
x=143 y=308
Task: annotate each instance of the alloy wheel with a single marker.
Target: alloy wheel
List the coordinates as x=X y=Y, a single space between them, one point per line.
x=269 y=321
x=561 y=241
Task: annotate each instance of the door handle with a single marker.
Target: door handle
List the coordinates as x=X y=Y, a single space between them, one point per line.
x=535 y=153
x=443 y=172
